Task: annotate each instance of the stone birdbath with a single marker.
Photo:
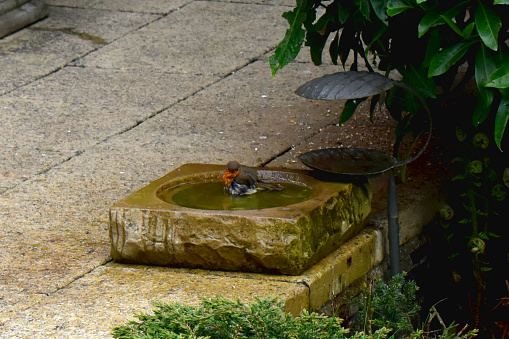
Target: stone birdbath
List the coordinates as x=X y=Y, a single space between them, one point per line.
x=153 y=226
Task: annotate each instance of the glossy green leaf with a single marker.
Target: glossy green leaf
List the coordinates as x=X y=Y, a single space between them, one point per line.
x=429 y=20
x=393 y=102
x=432 y=48
x=317 y=34
x=419 y=80
x=500 y=77
x=334 y=49
x=484 y=67
x=488 y=24
x=290 y=46
x=395 y=7
x=501 y=2
x=321 y=23
x=346 y=43
x=381 y=30
x=483 y=108
x=448 y=57
x=453 y=25
x=343 y=13
x=364 y=8
x=316 y=42
x=432 y=18
x=501 y=118
x=375 y=99
x=380 y=9
x=467 y=32
x=349 y=109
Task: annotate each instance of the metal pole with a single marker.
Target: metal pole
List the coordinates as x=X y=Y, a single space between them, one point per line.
x=393 y=214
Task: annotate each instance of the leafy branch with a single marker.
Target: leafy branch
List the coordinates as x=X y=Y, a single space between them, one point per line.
x=446 y=36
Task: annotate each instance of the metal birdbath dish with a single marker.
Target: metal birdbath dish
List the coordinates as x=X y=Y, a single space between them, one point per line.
x=360 y=162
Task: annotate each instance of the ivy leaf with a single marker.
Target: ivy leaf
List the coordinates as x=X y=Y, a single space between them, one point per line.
x=448 y=57
x=501 y=118
x=349 y=109
x=500 y=77
x=289 y=47
x=501 y=2
x=380 y=9
x=488 y=24
x=395 y=7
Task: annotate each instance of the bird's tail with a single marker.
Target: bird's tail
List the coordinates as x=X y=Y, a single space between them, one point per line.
x=263 y=185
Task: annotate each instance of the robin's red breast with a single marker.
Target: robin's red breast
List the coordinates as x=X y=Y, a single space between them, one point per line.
x=240 y=179
x=233 y=168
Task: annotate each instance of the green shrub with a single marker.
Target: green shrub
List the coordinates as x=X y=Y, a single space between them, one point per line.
x=426 y=41
x=394 y=305
x=221 y=319
x=391 y=305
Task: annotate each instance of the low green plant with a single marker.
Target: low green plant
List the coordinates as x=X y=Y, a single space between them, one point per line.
x=394 y=305
x=390 y=305
x=445 y=332
x=220 y=318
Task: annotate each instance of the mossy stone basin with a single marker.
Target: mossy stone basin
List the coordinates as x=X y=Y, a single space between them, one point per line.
x=149 y=227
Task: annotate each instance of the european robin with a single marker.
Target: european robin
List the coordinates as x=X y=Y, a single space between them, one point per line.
x=240 y=179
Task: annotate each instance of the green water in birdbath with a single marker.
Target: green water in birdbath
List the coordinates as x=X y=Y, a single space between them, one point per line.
x=213 y=196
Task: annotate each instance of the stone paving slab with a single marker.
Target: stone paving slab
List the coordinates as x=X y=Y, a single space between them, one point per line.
x=289 y=3
x=249 y=116
x=145 y=6
x=58 y=223
x=83 y=106
x=221 y=40
x=189 y=131
x=164 y=87
x=28 y=55
x=35 y=52
x=119 y=291
x=97 y=26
